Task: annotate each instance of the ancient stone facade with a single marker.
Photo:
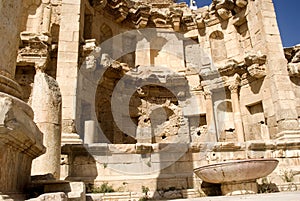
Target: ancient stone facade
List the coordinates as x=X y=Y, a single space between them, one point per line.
x=140 y=93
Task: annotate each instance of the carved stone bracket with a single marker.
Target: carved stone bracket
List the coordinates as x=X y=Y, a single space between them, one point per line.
x=176 y=15
x=189 y=22
x=34 y=49
x=122 y=13
x=231 y=66
x=293 y=56
x=90 y=53
x=142 y=15
x=294 y=69
x=255 y=64
x=200 y=22
x=160 y=20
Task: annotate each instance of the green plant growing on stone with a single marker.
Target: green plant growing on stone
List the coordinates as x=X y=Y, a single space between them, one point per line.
x=145 y=190
x=267 y=186
x=104 y=188
x=104 y=165
x=144 y=198
x=287 y=176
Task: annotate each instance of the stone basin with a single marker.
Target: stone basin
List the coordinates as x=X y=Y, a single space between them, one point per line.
x=238 y=176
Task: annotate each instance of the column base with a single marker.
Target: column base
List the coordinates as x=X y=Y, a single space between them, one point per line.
x=10 y=87
x=292 y=135
x=70 y=138
x=240 y=188
x=20 y=143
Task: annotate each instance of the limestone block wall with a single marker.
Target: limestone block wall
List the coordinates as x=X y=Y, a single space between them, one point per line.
x=247 y=63
x=167 y=167
x=283 y=118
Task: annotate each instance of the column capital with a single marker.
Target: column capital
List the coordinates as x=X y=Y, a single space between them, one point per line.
x=207 y=93
x=234 y=83
x=233 y=88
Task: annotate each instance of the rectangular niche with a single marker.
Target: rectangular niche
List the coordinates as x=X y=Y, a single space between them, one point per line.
x=255 y=108
x=198 y=127
x=257 y=124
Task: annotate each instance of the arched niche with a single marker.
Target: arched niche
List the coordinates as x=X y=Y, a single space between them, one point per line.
x=224 y=120
x=218 y=48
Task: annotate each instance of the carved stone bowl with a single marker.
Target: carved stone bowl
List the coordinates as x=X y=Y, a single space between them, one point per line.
x=238 y=176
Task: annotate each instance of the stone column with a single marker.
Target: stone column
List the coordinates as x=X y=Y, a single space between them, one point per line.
x=89 y=131
x=9 y=32
x=238 y=124
x=46 y=19
x=46 y=104
x=67 y=68
x=210 y=119
x=20 y=138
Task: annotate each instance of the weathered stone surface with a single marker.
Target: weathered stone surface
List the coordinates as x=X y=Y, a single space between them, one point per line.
x=46 y=103
x=188 y=99
x=20 y=138
x=51 y=197
x=21 y=142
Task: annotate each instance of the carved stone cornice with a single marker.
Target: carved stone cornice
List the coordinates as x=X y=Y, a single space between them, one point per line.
x=35 y=49
x=34 y=45
x=178 y=16
x=229 y=68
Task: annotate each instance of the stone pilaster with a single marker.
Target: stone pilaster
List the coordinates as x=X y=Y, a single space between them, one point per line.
x=67 y=67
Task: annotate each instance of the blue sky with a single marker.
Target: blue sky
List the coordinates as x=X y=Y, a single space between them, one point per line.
x=287 y=12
